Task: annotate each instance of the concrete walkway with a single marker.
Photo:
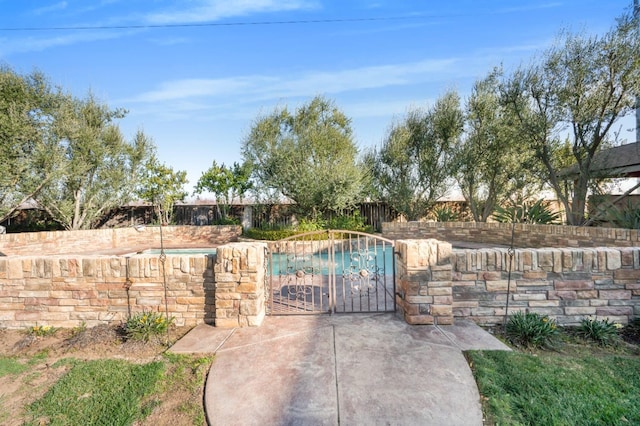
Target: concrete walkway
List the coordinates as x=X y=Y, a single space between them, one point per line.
x=365 y=369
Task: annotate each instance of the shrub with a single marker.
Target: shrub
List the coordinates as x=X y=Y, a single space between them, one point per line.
x=268 y=234
x=145 y=325
x=352 y=222
x=531 y=329
x=627 y=217
x=41 y=330
x=539 y=213
x=446 y=214
x=605 y=332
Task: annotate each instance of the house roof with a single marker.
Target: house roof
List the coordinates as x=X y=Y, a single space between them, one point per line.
x=617 y=162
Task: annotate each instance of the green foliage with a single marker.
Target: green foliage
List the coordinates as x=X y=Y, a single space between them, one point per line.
x=490 y=162
x=41 y=330
x=226 y=183
x=98 y=168
x=413 y=167
x=144 y=326
x=604 y=332
x=531 y=329
x=161 y=186
x=557 y=389
x=551 y=96
x=538 y=212
x=269 y=234
x=101 y=392
x=9 y=366
x=349 y=222
x=627 y=217
x=445 y=214
x=29 y=149
x=308 y=156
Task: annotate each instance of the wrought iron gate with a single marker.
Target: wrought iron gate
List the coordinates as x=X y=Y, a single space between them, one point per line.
x=331 y=271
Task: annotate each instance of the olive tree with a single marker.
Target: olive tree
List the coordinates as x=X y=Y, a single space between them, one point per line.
x=161 y=186
x=580 y=88
x=226 y=184
x=308 y=155
x=491 y=163
x=99 y=168
x=413 y=167
x=29 y=150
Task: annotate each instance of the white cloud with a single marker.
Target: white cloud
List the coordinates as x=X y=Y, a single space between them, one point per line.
x=258 y=87
x=213 y=10
x=37 y=44
x=52 y=8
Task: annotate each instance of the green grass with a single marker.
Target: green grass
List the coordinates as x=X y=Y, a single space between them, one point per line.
x=11 y=366
x=556 y=389
x=101 y=392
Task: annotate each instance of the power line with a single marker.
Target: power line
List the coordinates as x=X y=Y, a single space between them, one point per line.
x=229 y=24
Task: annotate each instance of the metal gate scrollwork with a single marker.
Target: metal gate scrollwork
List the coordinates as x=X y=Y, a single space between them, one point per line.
x=331 y=271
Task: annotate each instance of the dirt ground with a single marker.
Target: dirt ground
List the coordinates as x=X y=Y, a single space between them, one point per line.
x=102 y=342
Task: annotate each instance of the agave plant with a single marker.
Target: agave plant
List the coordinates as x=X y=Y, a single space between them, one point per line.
x=538 y=212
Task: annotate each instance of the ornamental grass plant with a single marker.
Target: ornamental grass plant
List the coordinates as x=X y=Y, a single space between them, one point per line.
x=530 y=329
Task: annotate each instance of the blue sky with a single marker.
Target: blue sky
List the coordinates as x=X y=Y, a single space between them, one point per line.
x=196 y=89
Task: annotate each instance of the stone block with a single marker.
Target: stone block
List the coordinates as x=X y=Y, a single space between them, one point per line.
x=227 y=322
x=502 y=285
x=439 y=291
x=562 y=295
x=442 y=300
x=529 y=296
x=615 y=294
x=419 y=299
x=587 y=294
x=615 y=311
x=626 y=274
x=586 y=310
x=534 y=275
x=419 y=319
x=614 y=260
x=544 y=303
x=441 y=310
x=574 y=285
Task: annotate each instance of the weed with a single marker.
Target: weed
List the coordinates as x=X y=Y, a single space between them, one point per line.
x=146 y=325
x=531 y=329
x=604 y=332
x=41 y=330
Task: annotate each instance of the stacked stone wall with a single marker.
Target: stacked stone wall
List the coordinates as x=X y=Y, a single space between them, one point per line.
x=68 y=291
x=525 y=235
x=566 y=284
x=118 y=240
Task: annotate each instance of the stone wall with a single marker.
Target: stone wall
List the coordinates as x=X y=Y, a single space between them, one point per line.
x=66 y=291
x=240 y=274
x=423 y=277
x=436 y=284
x=526 y=235
x=116 y=241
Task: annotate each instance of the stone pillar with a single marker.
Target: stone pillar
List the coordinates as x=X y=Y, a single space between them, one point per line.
x=239 y=275
x=424 y=276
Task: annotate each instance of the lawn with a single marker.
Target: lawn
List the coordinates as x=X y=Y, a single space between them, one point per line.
x=574 y=382
x=94 y=378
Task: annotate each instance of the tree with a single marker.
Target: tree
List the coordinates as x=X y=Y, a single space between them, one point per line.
x=161 y=186
x=308 y=156
x=98 y=169
x=29 y=151
x=226 y=183
x=491 y=164
x=412 y=169
x=581 y=87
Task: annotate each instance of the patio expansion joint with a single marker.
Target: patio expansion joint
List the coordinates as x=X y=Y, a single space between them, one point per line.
x=271 y=339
